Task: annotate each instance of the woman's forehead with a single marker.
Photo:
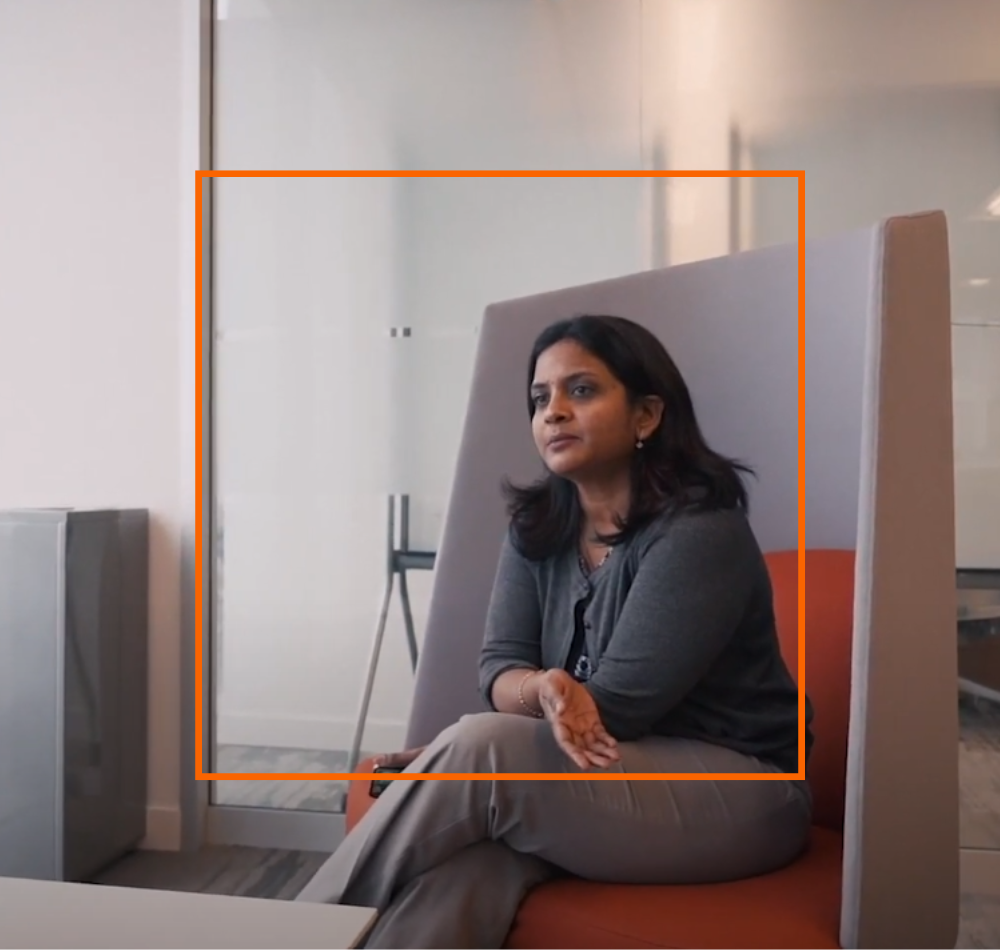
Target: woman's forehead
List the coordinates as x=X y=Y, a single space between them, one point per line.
x=566 y=359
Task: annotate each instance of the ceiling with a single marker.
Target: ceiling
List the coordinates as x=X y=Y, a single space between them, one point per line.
x=473 y=82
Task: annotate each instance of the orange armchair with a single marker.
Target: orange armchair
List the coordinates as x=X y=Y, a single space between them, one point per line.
x=883 y=866
x=798 y=906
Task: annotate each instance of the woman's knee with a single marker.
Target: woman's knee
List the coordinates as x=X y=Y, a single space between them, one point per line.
x=487 y=736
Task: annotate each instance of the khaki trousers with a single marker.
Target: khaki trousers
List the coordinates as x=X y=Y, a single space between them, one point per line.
x=447 y=862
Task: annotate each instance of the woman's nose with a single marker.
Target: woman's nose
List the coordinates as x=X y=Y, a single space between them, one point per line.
x=555 y=410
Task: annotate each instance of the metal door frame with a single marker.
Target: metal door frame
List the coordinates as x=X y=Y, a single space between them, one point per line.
x=202 y=821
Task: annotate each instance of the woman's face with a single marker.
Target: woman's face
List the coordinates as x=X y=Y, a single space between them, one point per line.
x=583 y=424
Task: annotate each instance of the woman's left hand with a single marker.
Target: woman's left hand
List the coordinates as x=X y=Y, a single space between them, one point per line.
x=576 y=723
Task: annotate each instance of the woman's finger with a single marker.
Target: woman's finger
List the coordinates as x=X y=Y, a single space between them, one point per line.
x=577 y=756
x=567 y=741
x=599 y=745
x=604 y=735
x=563 y=734
x=608 y=748
x=590 y=736
x=601 y=761
x=605 y=758
x=584 y=749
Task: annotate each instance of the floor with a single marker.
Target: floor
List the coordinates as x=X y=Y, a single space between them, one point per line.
x=980 y=921
x=258 y=872
x=244 y=872
x=979 y=773
x=305 y=795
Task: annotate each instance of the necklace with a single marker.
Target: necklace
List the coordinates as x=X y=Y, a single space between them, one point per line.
x=587 y=569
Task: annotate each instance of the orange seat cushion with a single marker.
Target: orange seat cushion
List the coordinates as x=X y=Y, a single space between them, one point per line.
x=829 y=610
x=798 y=906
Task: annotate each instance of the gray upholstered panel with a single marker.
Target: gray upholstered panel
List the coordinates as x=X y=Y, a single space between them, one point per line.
x=732 y=325
x=901 y=881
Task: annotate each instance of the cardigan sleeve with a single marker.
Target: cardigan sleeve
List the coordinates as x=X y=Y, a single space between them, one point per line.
x=686 y=601
x=512 y=638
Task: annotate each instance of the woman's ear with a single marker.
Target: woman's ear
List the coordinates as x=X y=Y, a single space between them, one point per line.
x=650 y=415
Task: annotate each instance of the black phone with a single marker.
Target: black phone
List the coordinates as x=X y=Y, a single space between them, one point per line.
x=379 y=785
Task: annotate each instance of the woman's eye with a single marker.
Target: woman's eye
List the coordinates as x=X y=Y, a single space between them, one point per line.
x=538 y=399
x=582 y=390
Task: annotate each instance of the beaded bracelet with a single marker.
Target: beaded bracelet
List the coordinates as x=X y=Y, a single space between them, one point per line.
x=520 y=695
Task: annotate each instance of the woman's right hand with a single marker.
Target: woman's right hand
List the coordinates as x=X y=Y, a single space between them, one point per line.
x=398 y=760
x=576 y=722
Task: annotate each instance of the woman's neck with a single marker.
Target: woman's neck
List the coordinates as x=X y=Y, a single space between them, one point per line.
x=602 y=508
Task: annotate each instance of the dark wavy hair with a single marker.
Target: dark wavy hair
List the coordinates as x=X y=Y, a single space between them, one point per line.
x=674 y=470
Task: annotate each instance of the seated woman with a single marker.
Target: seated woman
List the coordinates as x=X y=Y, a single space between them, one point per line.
x=631 y=630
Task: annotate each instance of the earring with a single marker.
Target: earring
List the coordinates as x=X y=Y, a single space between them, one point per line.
x=639 y=443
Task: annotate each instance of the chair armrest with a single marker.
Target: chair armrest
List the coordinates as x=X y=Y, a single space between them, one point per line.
x=358 y=799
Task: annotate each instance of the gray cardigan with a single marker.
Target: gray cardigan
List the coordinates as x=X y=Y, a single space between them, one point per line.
x=679 y=625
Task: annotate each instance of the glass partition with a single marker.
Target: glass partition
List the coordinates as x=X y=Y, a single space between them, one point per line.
x=345 y=320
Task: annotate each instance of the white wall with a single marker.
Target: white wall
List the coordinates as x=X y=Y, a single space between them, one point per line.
x=90 y=294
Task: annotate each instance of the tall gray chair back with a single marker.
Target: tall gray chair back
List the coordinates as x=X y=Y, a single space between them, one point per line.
x=878 y=480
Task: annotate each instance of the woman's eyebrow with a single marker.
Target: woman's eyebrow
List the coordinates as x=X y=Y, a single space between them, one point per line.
x=570 y=379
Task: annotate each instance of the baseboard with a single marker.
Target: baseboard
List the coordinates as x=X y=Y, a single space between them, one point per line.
x=274 y=828
x=163 y=828
x=327 y=733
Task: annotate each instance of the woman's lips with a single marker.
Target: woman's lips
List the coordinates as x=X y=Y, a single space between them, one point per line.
x=561 y=441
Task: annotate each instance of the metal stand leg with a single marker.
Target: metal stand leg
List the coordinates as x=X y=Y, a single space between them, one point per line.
x=399 y=561
x=404 y=590
x=376 y=649
x=411 y=633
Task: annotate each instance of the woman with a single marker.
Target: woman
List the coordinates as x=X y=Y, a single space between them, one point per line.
x=631 y=629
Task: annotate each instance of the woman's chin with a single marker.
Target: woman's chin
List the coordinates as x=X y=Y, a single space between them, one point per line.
x=564 y=467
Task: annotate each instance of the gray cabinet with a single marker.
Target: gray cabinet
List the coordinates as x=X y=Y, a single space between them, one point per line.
x=73 y=689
